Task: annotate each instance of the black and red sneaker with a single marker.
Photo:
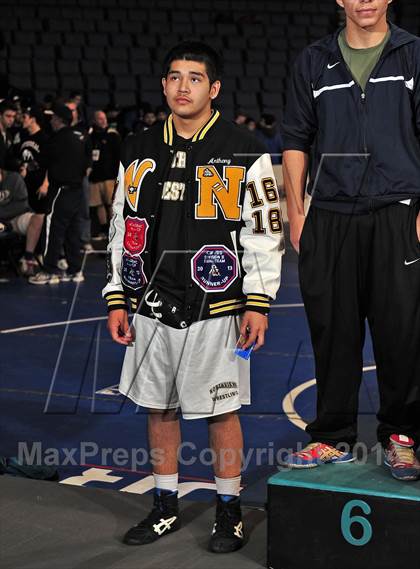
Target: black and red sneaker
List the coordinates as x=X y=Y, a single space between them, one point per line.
x=401 y=458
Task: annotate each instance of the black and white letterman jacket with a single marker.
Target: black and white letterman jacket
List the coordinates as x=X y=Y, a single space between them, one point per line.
x=233 y=225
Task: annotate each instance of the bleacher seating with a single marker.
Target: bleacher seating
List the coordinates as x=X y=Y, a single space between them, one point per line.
x=408 y=14
x=112 y=50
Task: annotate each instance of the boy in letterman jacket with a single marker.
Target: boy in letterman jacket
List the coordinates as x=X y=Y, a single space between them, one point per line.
x=353 y=117
x=196 y=242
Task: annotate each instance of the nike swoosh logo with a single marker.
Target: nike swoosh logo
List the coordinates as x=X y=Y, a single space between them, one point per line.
x=331 y=66
x=406 y=263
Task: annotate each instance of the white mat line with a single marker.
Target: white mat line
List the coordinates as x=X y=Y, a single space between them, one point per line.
x=288 y=402
x=95 y=319
x=298 y=305
x=51 y=324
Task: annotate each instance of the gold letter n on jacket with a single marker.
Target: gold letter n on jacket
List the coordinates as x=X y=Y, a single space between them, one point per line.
x=215 y=192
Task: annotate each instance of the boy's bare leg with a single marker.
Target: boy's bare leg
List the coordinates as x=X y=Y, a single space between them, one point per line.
x=226 y=441
x=165 y=438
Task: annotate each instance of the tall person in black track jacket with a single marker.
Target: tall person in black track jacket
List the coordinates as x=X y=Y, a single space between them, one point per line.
x=195 y=246
x=353 y=120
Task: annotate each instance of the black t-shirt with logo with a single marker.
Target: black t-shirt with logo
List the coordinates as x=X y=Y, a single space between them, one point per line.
x=32 y=154
x=170 y=277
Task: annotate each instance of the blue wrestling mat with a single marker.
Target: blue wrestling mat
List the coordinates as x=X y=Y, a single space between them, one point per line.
x=60 y=403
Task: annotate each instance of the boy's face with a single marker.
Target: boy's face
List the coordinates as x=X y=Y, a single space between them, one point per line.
x=8 y=118
x=56 y=123
x=100 y=120
x=73 y=107
x=27 y=120
x=365 y=13
x=187 y=88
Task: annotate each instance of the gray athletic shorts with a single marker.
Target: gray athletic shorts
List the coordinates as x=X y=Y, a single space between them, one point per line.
x=194 y=368
x=21 y=223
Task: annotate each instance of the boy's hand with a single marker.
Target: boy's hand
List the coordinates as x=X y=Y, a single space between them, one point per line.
x=119 y=328
x=253 y=327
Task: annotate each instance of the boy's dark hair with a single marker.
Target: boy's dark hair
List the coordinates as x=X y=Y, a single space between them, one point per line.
x=7 y=105
x=196 y=51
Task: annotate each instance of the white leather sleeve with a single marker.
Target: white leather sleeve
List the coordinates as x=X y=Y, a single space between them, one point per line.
x=116 y=238
x=262 y=241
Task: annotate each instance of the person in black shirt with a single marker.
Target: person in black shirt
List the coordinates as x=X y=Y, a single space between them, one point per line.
x=32 y=154
x=17 y=134
x=7 y=118
x=33 y=169
x=16 y=214
x=67 y=162
x=78 y=126
x=105 y=143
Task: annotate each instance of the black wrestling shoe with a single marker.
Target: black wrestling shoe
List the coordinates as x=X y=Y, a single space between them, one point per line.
x=163 y=519
x=227 y=535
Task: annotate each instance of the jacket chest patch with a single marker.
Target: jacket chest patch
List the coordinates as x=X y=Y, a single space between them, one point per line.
x=173 y=191
x=217 y=192
x=135 y=235
x=214 y=268
x=133 y=178
x=132 y=274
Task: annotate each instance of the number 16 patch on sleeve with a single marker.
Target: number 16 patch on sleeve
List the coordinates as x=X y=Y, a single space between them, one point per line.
x=214 y=268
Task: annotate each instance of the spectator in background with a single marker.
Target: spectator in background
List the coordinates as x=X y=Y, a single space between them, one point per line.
x=80 y=129
x=145 y=122
x=251 y=124
x=33 y=169
x=67 y=163
x=240 y=118
x=77 y=123
x=161 y=114
x=48 y=102
x=7 y=118
x=16 y=133
x=76 y=97
x=15 y=213
x=105 y=143
x=269 y=134
x=113 y=117
x=149 y=119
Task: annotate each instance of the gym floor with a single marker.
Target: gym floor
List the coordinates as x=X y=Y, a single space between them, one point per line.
x=60 y=369
x=60 y=403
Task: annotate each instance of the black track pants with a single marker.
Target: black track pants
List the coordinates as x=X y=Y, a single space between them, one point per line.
x=62 y=228
x=354 y=267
